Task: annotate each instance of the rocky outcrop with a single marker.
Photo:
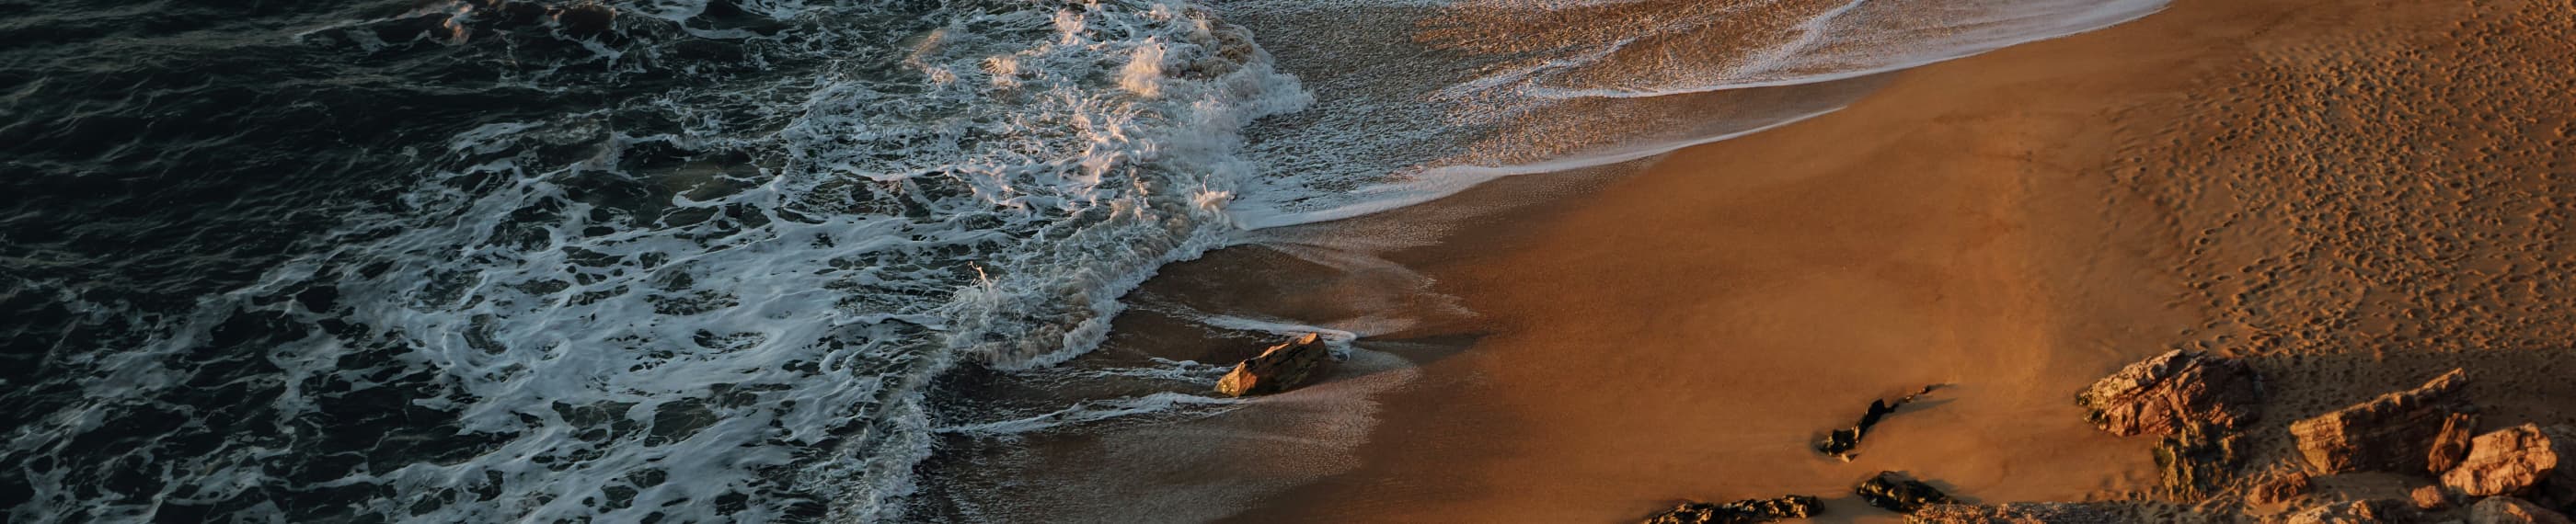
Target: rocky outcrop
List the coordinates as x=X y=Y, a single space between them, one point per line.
x=2393 y=433
x=1751 y=511
x=2509 y=510
x=1895 y=492
x=2019 y=513
x=2197 y=461
x=1841 y=442
x=2161 y=395
x=1280 y=368
x=2353 y=512
x=2526 y=460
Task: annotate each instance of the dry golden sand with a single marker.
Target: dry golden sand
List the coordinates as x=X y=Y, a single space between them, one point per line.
x=2356 y=195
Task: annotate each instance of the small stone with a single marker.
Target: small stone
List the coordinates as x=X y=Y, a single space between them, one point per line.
x=2161 y=395
x=1895 y=492
x=2393 y=433
x=2525 y=460
x=2509 y=510
x=2430 y=498
x=1750 y=511
x=2352 y=512
x=1278 y=369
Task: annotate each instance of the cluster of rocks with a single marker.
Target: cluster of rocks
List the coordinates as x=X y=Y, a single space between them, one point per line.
x=2201 y=405
x=1752 y=511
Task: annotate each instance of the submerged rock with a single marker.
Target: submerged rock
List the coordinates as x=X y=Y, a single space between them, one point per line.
x=2197 y=461
x=2509 y=510
x=1750 y=511
x=2161 y=395
x=1841 y=442
x=2525 y=460
x=1895 y=492
x=1280 y=368
x=2395 y=432
x=2353 y=512
x=2019 y=513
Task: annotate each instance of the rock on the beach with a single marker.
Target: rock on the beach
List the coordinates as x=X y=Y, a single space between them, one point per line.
x=2393 y=433
x=2197 y=461
x=2018 y=513
x=2160 y=395
x=1895 y=492
x=1279 y=368
x=1841 y=442
x=2352 y=512
x=2525 y=460
x=2279 y=486
x=2430 y=498
x=2452 y=444
x=1752 y=511
x=2509 y=510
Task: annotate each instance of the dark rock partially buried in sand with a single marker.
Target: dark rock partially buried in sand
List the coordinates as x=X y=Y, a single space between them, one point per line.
x=1752 y=511
x=1280 y=368
x=1841 y=442
x=2526 y=461
x=2161 y=395
x=2509 y=510
x=2396 y=432
x=2020 y=513
x=1895 y=492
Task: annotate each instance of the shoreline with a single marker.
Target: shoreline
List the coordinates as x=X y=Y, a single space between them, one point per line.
x=2015 y=225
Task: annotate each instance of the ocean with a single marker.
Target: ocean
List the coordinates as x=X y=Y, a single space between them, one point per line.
x=771 y=260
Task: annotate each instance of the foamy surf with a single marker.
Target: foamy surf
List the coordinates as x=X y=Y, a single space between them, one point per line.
x=732 y=262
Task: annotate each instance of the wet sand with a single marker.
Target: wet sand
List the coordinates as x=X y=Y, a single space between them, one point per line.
x=2351 y=194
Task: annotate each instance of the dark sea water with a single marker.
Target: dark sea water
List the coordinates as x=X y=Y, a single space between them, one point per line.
x=747 y=260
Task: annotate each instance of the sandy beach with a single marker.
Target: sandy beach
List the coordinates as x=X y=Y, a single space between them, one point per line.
x=2352 y=195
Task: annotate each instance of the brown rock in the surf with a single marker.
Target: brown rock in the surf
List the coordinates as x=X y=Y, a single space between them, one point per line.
x=1280 y=368
x=1751 y=511
x=2509 y=510
x=2395 y=432
x=2278 y=486
x=2353 y=512
x=2526 y=460
x=2160 y=395
x=2019 y=513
